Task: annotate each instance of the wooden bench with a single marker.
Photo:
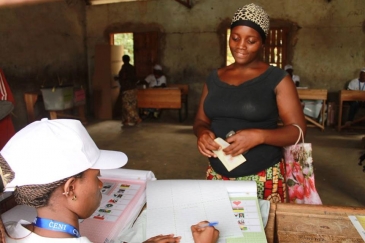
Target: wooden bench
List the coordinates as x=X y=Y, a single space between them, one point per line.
x=349 y=95
x=314 y=94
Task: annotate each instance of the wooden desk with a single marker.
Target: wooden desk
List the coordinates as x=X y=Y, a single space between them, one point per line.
x=159 y=98
x=314 y=94
x=348 y=95
x=31 y=98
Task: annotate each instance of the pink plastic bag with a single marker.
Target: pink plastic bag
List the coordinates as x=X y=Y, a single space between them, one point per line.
x=300 y=173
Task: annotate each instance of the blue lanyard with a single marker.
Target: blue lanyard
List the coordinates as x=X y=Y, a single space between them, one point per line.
x=56 y=226
x=360 y=86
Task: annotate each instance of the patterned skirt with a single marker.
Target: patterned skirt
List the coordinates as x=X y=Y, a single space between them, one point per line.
x=270 y=182
x=129 y=106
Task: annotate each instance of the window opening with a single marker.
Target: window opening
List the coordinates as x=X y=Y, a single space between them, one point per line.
x=125 y=40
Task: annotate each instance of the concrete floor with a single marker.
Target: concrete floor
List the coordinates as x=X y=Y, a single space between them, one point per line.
x=168 y=148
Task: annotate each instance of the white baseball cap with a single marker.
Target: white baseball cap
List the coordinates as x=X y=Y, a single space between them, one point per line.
x=362 y=70
x=157 y=67
x=51 y=150
x=288 y=67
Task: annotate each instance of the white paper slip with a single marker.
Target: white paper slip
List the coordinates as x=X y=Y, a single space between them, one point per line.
x=229 y=162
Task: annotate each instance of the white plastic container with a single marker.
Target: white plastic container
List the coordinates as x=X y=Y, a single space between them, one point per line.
x=58 y=98
x=312 y=108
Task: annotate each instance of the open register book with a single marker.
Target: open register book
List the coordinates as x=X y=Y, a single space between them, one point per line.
x=175 y=205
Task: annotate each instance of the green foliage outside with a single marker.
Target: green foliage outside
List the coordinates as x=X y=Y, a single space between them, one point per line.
x=126 y=40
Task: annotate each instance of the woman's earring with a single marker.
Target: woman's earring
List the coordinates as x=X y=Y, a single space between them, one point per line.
x=65 y=193
x=74 y=198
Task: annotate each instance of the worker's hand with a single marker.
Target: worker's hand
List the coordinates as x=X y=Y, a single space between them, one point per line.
x=204 y=234
x=164 y=239
x=206 y=143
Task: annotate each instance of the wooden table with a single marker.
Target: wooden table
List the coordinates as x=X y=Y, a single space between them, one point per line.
x=31 y=98
x=314 y=94
x=160 y=98
x=348 y=95
x=184 y=98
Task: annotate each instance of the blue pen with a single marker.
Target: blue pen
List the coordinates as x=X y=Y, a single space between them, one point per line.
x=211 y=224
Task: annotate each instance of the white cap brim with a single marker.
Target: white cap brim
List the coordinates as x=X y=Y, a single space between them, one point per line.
x=110 y=160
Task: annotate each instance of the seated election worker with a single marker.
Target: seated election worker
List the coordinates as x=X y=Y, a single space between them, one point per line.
x=355 y=84
x=296 y=79
x=54 y=166
x=157 y=79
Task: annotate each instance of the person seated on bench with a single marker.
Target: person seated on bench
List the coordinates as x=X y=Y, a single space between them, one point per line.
x=155 y=80
x=355 y=84
x=296 y=79
x=54 y=166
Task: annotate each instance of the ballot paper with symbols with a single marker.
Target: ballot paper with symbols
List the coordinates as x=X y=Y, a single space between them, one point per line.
x=175 y=205
x=246 y=210
x=123 y=197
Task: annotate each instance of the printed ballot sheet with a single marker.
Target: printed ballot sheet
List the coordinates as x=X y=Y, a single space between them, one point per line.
x=175 y=205
x=118 y=200
x=246 y=210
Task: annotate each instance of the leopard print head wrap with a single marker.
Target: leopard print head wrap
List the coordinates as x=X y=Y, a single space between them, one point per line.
x=253 y=16
x=6 y=174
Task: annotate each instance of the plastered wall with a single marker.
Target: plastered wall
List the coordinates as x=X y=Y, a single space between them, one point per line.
x=58 y=38
x=42 y=44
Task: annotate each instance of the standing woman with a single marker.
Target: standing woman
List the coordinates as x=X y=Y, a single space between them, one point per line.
x=128 y=87
x=248 y=97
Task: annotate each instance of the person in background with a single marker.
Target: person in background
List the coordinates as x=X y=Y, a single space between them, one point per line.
x=54 y=166
x=155 y=80
x=295 y=78
x=247 y=98
x=128 y=87
x=355 y=84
